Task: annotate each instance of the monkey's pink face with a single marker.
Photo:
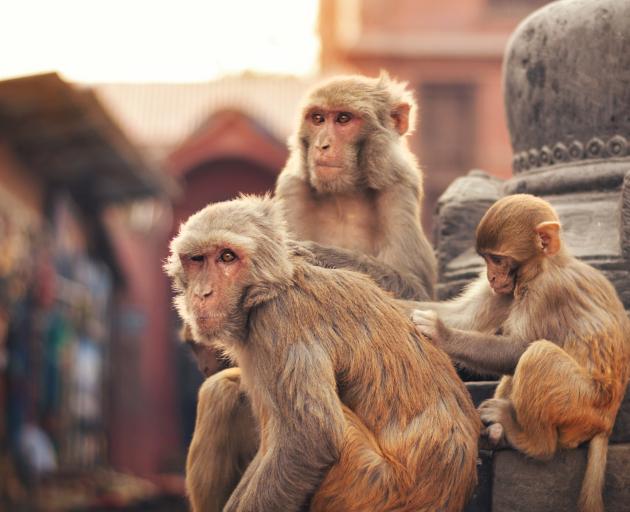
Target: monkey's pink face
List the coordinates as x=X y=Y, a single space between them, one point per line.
x=333 y=136
x=501 y=273
x=213 y=285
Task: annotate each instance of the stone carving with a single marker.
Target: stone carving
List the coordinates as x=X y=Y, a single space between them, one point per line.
x=568 y=111
x=615 y=147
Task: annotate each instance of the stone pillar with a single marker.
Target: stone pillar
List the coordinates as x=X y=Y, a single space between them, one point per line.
x=567 y=95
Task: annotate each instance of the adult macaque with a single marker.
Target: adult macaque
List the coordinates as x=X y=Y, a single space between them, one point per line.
x=554 y=326
x=353 y=188
x=356 y=410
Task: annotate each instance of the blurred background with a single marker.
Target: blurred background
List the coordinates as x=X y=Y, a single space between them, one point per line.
x=119 y=119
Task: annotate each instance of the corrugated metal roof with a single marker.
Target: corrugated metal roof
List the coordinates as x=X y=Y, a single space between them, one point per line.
x=63 y=134
x=159 y=117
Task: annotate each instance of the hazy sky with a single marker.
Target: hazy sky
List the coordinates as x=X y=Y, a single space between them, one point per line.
x=156 y=40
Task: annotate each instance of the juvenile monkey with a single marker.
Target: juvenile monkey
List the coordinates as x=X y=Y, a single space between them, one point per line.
x=352 y=187
x=355 y=408
x=552 y=325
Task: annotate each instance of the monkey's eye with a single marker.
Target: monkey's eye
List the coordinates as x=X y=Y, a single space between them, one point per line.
x=497 y=260
x=317 y=118
x=197 y=257
x=227 y=256
x=343 y=117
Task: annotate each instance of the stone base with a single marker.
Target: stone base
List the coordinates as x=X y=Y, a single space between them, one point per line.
x=522 y=484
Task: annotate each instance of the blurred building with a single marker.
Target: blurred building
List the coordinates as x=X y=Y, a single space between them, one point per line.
x=451 y=54
x=66 y=294
x=216 y=140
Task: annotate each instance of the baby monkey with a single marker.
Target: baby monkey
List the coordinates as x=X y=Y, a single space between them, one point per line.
x=555 y=329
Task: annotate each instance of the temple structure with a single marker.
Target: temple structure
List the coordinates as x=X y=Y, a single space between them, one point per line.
x=567 y=96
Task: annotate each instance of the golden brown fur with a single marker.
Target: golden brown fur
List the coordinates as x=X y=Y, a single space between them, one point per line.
x=355 y=408
x=209 y=486
x=564 y=342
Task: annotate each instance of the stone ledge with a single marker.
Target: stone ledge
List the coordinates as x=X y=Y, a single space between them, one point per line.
x=522 y=484
x=482 y=390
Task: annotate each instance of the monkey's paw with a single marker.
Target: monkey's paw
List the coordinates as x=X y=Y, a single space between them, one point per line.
x=492 y=437
x=303 y=250
x=494 y=410
x=426 y=322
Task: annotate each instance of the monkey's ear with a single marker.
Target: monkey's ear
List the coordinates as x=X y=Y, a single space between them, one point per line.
x=549 y=236
x=400 y=116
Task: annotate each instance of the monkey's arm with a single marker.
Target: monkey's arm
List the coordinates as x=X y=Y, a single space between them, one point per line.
x=404 y=285
x=481 y=352
x=476 y=309
x=304 y=433
x=404 y=245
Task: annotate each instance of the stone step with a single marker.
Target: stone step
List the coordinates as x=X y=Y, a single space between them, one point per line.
x=522 y=484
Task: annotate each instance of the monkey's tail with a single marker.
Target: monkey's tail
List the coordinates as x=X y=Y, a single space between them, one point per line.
x=591 y=499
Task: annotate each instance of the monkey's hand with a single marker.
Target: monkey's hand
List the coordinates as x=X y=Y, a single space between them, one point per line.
x=428 y=324
x=319 y=255
x=302 y=250
x=494 y=412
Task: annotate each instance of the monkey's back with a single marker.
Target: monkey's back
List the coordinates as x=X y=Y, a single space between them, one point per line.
x=588 y=321
x=400 y=386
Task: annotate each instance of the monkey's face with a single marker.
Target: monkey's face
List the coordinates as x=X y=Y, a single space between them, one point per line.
x=501 y=272
x=331 y=140
x=214 y=283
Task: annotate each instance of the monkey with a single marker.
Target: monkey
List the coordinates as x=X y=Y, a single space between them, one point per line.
x=553 y=326
x=351 y=192
x=351 y=188
x=208 y=360
x=356 y=410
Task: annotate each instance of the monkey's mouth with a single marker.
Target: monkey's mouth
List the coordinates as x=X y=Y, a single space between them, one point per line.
x=325 y=171
x=208 y=320
x=504 y=289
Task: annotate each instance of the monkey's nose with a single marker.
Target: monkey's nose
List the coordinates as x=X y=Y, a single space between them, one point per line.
x=204 y=294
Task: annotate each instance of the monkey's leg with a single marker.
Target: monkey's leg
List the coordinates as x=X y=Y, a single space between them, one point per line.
x=551 y=395
x=366 y=479
x=504 y=389
x=223 y=444
x=493 y=435
x=355 y=483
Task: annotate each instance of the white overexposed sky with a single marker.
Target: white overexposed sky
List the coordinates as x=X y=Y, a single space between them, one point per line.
x=156 y=40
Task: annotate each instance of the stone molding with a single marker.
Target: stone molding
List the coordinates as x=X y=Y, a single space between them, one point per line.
x=616 y=146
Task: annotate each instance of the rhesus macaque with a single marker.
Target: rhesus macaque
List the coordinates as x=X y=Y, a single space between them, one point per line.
x=353 y=188
x=356 y=410
x=552 y=325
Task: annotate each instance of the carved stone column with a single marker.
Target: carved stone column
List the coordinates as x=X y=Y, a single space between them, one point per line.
x=567 y=95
